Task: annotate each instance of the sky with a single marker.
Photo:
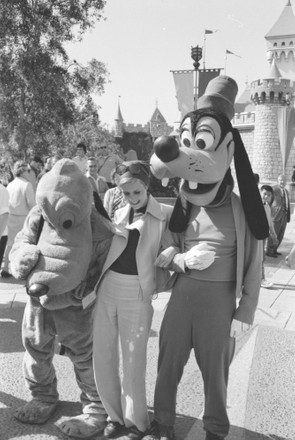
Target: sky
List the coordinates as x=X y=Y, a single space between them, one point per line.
x=141 y=41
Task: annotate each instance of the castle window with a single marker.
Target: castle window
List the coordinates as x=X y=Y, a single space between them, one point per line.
x=263 y=96
x=275 y=44
x=271 y=96
x=291 y=43
x=280 y=96
x=283 y=43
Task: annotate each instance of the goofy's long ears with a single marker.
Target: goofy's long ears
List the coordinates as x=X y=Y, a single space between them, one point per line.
x=180 y=215
x=249 y=192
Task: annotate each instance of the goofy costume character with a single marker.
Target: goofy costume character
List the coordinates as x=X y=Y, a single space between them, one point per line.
x=215 y=248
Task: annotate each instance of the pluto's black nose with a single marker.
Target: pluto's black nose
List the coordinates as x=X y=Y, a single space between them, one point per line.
x=37 y=290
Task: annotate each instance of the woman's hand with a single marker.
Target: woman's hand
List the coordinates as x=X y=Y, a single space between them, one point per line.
x=165 y=258
x=238 y=328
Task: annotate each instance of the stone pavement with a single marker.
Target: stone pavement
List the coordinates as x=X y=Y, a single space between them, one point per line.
x=261 y=397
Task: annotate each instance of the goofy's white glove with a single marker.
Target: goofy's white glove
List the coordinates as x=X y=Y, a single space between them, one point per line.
x=199 y=258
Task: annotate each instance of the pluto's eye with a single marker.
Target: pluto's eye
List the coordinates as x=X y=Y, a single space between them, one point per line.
x=67 y=220
x=67 y=224
x=204 y=140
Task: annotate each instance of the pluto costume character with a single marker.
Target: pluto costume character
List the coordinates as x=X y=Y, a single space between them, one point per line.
x=215 y=249
x=60 y=253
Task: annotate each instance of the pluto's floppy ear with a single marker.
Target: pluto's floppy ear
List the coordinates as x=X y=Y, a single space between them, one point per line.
x=249 y=192
x=180 y=215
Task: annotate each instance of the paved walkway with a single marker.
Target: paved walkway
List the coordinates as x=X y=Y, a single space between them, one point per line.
x=261 y=397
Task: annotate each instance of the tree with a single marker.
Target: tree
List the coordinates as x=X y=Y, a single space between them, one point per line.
x=43 y=91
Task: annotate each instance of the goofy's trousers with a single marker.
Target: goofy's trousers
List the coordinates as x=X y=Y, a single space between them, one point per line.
x=198 y=317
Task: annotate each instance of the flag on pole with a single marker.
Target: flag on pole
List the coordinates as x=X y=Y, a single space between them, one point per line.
x=283 y=116
x=207 y=31
x=184 y=85
x=228 y=52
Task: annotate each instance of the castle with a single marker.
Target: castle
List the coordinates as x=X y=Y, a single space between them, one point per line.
x=265 y=113
x=155 y=127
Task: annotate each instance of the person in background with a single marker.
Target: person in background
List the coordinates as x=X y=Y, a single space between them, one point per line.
x=124 y=311
x=34 y=169
x=266 y=192
x=47 y=167
x=81 y=157
x=257 y=178
x=21 y=200
x=4 y=210
x=6 y=175
x=97 y=182
x=107 y=161
x=280 y=212
x=113 y=198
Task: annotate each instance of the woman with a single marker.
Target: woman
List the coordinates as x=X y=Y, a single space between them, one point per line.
x=124 y=304
x=113 y=198
x=21 y=200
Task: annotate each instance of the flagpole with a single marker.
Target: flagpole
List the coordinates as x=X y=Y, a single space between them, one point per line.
x=204 y=50
x=225 y=61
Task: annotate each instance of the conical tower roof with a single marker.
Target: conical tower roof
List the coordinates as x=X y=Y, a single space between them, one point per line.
x=119 y=113
x=274 y=71
x=244 y=103
x=285 y=24
x=157 y=116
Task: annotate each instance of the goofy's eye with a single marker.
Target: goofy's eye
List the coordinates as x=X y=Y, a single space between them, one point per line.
x=204 y=140
x=186 y=139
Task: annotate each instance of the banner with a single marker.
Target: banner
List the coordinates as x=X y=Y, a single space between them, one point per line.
x=184 y=85
x=205 y=75
x=283 y=115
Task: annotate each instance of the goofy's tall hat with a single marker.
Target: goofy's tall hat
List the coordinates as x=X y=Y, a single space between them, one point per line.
x=208 y=143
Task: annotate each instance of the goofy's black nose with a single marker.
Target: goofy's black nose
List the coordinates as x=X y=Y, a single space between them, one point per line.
x=37 y=289
x=166 y=148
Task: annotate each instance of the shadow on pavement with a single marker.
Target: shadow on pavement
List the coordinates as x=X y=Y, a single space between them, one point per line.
x=237 y=433
x=283 y=286
x=10 y=330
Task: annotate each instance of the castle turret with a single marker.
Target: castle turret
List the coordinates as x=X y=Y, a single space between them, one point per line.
x=119 y=123
x=273 y=98
x=281 y=43
x=158 y=125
